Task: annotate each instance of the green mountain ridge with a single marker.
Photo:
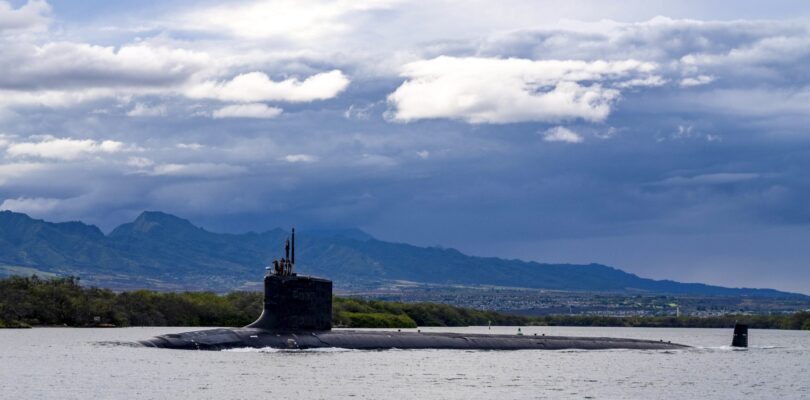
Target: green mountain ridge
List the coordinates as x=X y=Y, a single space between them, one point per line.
x=164 y=252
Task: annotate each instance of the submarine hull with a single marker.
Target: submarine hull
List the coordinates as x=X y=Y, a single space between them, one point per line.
x=297 y=314
x=222 y=339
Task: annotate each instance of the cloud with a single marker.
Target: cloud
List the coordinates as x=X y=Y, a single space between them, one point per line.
x=300 y=158
x=689 y=52
x=659 y=39
x=67 y=65
x=257 y=86
x=691 y=132
x=359 y=112
x=64 y=74
x=62 y=148
x=199 y=170
x=12 y=171
x=190 y=146
x=650 y=81
x=139 y=162
x=491 y=90
x=32 y=16
x=772 y=55
x=6 y=139
x=144 y=110
x=710 y=179
x=34 y=206
x=283 y=19
x=696 y=81
x=253 y=110
x=51 y=98
x=750 y=102
x=562 y=134
x=376 y=160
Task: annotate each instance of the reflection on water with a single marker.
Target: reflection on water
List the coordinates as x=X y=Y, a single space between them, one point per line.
x=64 y=363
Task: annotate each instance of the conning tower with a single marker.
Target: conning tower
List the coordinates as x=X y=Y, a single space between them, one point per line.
x=292 y=302
x=740 y=335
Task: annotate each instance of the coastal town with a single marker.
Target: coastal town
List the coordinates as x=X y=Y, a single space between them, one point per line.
x=547 y=302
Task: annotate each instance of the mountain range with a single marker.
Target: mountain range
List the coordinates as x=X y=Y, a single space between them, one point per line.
x=164 y=252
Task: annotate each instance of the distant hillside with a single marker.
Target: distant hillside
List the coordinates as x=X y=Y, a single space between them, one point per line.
x=162 y=251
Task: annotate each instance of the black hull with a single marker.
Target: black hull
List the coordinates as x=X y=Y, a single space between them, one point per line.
x=221 y=339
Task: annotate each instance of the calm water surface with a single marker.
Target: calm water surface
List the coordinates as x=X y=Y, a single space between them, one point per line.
x=56 y=363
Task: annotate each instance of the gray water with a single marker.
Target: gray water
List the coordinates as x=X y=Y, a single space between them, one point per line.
x=65 y=363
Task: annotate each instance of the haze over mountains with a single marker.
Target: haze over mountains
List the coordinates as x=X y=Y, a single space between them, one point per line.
x=162 y=251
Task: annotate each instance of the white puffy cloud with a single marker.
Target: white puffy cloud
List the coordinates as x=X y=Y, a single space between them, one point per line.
x=33 y=15
x=562 y=134
x=492 y=90
x=252 y=110
x=30 y=205
x=63 y=148
x=257 y=86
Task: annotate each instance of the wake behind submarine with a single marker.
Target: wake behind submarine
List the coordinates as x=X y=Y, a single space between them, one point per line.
x=298 y=313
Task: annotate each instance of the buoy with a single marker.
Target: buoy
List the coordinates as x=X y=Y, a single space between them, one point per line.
x=519 y=332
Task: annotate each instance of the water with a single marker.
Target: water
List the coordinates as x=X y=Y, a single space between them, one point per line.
x=56 y=363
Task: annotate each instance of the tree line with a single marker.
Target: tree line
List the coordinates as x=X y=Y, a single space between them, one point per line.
x=32 y=301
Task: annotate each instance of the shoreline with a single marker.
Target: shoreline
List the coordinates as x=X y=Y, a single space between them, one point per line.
x=402 y=328
x=59 y=302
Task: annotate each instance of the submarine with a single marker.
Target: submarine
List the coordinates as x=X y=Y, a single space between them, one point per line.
x=297 y=314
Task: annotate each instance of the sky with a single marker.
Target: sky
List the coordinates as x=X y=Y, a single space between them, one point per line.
x=670 y=139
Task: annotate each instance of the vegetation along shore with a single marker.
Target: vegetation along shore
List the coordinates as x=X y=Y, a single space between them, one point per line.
x=32 y=301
